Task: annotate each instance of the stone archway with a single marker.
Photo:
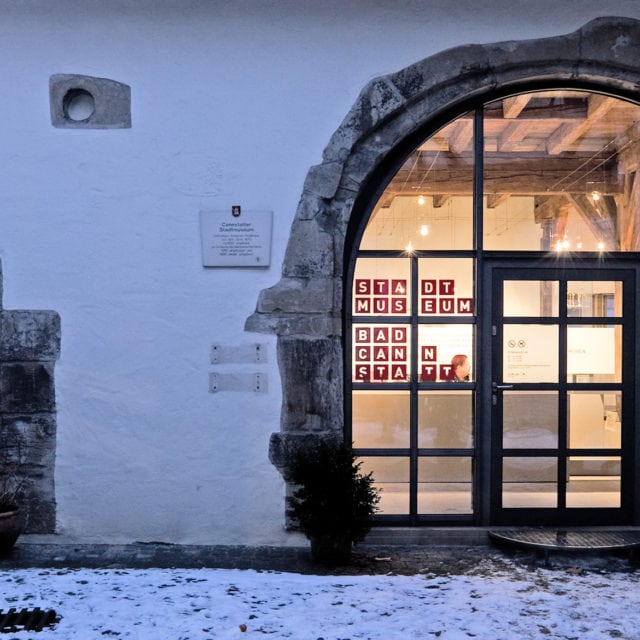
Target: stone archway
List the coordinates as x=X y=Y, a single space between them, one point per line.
x=305 y=308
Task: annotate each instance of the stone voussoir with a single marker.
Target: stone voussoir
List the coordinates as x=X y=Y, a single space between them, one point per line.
x=298 y=295
x=309 y=254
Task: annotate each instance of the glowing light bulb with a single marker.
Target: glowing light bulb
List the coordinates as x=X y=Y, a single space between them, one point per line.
x=409 y=247
x=559 y=245
x=579 y=245
x=595 y=195
x=424 y=230
x=565 y=243
x=601 y=246
x=420 y=200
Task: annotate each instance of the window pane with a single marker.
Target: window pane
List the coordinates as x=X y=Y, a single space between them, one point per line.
x=530 y=298
x=594 y=353
x=530 y=419
x=381 y=287
x=444 y=485
x=593 y=482
x=597 y=299
x=391 y=475
x=445 y=419
x=381 y=352
x=529 y=482
x=429 y=203
x=555 y=170
x=530 y=353
x=594 y=419
x=443 y=350
x=446 y=287
x=380 y=419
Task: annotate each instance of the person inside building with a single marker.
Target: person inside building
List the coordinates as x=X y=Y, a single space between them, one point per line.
x=460 y=368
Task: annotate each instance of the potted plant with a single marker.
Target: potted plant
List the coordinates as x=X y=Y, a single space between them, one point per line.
x=334 y=501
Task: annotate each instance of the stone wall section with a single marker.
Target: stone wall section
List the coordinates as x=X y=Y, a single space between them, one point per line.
x=305 y=309
x=29 y=347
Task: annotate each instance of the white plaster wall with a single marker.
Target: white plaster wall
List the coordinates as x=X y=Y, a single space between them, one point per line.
x=232 y=102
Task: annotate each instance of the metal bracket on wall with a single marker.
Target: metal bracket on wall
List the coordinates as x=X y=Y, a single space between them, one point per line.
x=256 y=382
x=249 y=353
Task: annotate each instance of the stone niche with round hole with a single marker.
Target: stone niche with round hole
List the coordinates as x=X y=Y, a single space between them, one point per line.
x=85 y=102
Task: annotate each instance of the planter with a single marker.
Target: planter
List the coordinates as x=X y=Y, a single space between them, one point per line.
x=10 y=528
x=330 y=550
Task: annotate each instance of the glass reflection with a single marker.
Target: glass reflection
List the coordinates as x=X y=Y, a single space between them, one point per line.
x=438 y=345
x=530 y=298
x=530 y=419
x=381 y=352
x=429 y=204
x=593 y=420
x=380 y=419
x=529 y=482
x=391 y=475
x=594 y=298
x=381 y=287
x=593 y=482
x=530 y=353
x=444 y=485
x=445 y=287
x=566 y=156
x=445 y=419
x=594 y=353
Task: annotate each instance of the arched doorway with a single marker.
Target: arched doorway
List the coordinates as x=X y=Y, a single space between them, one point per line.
x=491 y=334
x=307 y=308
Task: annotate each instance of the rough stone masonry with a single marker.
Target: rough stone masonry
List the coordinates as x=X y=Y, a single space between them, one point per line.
x=29 y=348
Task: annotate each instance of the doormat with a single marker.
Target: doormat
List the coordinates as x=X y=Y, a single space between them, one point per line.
x=548 y=539
x=26 y=620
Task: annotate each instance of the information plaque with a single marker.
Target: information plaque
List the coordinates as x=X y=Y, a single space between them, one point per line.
x=236 y=238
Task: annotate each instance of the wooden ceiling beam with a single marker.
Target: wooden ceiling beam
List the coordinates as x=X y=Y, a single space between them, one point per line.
x=512 y=107
x=513 y=134
x=566 y=134
x=508 y=174
x=600 y=216
x=628 y=205
x=440 y=200
x=550 y=208
x=495 y=199
x=461 y=137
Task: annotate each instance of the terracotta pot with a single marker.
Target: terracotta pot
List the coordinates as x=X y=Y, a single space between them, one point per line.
x=330 y=550
x=10 y=528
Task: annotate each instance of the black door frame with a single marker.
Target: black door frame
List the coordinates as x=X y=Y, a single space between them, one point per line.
x=497 y=267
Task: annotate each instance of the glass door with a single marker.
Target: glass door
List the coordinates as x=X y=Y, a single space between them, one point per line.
x=562 y=380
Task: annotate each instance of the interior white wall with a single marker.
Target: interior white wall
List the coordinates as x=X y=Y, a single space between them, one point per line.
x=232 y=102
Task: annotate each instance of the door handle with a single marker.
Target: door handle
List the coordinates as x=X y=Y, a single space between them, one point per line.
x=500 y=387
x=495 y=387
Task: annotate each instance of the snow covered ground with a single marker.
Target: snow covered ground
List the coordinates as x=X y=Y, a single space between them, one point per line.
x=512 y=602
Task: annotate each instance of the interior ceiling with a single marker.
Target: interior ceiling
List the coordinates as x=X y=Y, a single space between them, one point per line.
x=536 y=144
x=564 y=148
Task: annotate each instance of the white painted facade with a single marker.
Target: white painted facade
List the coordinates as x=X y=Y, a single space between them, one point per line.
x=232 y=103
